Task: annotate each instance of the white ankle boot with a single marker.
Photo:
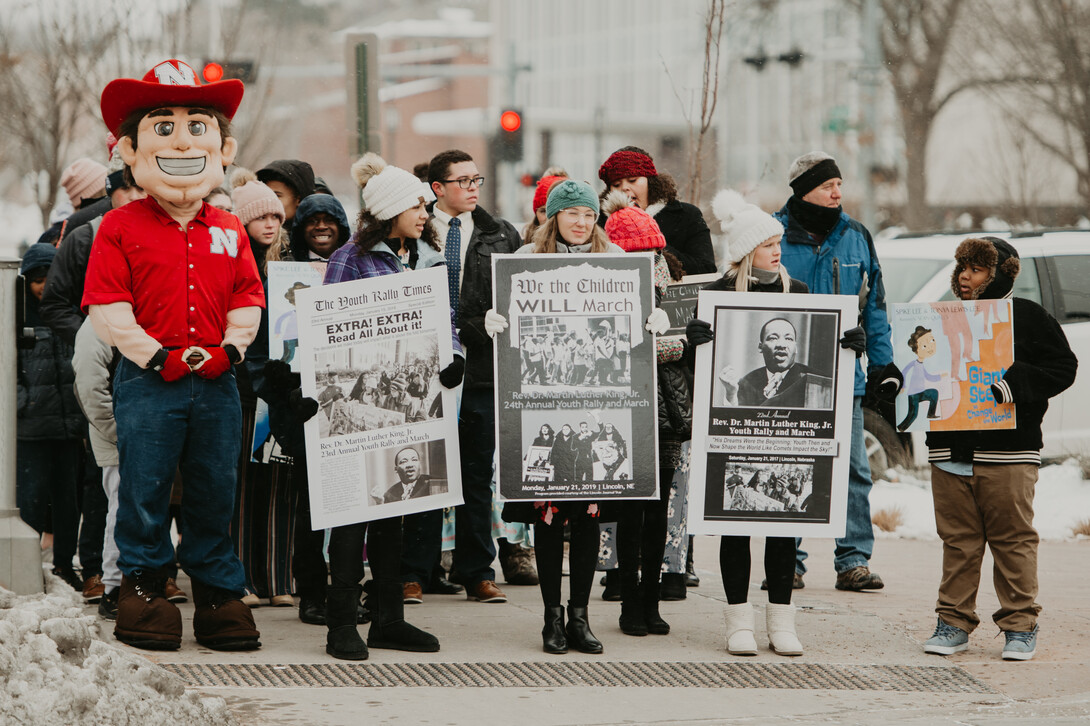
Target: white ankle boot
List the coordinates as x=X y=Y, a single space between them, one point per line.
x=740 y=639
x=780 y=624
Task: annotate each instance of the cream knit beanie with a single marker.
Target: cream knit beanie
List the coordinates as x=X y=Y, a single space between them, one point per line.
x=388 y=190
x=745 y=225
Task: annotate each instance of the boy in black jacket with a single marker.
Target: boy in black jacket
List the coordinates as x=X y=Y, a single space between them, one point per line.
x=983 y=481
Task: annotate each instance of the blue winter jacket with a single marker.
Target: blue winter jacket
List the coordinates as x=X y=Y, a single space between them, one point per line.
x=844 y=263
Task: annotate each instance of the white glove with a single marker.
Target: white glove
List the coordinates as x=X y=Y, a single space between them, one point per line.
x=494 y=323
x=658 y=322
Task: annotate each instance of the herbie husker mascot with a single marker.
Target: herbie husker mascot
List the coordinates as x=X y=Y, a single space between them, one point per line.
x=172 y=284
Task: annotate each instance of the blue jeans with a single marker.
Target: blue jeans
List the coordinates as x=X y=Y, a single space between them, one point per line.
x=854 y=549
x=194 y=425
x=474 y=548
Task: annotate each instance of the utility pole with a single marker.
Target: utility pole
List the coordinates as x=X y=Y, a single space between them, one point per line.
x=869 y=72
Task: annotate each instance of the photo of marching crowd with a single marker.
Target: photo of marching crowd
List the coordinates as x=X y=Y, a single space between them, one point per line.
x=392 y=383
x=593 y=448
x=767 y=488
x=575 y=351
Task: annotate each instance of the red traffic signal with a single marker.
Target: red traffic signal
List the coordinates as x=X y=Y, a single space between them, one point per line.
x=212 y=72
x=510 y=121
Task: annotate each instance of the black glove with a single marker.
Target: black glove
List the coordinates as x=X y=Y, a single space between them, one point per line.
x=884 y=383
x=302 y=407
x=855 y=339
x=698 y=332
x=451 y=376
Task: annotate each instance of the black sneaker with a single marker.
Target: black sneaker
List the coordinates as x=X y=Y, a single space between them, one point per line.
x=70 y=577
x=107 y=606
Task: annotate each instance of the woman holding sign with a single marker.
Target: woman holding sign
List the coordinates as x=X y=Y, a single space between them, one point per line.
x=570 y=228
x=753 y=245
x=392 y=236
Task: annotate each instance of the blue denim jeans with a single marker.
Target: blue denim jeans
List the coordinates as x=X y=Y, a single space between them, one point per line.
x=854 y=549
x=194 y=425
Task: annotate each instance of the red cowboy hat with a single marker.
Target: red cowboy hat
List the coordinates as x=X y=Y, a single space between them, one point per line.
x=170 y=83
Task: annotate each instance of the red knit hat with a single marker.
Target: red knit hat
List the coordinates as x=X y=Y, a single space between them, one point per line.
x=541 y=195
x=629 y=227
x=625 y=164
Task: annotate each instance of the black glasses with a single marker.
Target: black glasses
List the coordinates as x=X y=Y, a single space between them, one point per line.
x=466 y=183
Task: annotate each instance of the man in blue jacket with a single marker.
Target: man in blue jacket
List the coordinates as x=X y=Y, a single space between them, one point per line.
x=834 y=254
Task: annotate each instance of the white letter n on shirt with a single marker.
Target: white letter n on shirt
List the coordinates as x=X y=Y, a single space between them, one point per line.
x=224 y=241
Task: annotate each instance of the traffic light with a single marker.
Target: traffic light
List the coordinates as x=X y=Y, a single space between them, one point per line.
x=509 y=137
x=219 y=70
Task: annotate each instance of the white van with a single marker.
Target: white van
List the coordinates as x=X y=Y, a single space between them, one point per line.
x=1055 y=273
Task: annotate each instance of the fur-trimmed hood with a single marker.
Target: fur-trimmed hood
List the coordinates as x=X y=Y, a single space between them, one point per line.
x=996 y=254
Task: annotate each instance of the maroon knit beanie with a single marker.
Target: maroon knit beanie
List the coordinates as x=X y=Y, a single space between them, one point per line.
x=625 y=164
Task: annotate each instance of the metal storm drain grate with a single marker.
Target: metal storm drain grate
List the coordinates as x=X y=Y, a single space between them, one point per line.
x=801 y=676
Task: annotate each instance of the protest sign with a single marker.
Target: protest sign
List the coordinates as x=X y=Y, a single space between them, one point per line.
x=680 y=299
x=772 y=415
x=576 y=405
x=285 y=280
x=950 y=353
x=384 y=442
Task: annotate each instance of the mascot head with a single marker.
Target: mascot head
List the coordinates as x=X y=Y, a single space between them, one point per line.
x=173 y=132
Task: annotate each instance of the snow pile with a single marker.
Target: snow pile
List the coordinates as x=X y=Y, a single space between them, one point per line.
x=56 y=669
x=1061 y=501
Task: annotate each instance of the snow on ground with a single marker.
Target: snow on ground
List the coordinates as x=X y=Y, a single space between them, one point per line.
x=1062 y=500
x=56 y=669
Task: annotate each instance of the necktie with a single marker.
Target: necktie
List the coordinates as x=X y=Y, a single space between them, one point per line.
x=453 y=254
x=773 y=386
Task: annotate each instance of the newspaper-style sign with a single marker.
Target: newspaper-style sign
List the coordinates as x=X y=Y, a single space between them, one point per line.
x=285 y=280
x=772 y=415
x=950 y=353
x=575 y=377
x=384 y=442
x=680 y=298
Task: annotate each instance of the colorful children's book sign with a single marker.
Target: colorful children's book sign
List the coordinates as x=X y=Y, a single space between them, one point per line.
x=950 y=353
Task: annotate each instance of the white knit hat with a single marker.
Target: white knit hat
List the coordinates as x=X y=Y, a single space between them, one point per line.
x=745 y=225
x=388 y=190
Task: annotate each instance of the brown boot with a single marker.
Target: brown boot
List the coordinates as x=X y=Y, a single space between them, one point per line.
x=222 y=621
x=146 y=619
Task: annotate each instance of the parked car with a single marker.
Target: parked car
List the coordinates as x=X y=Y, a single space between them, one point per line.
x=1055 y=273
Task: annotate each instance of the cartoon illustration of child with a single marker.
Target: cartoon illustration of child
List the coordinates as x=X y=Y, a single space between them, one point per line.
x=286 y=325
x=917 y=378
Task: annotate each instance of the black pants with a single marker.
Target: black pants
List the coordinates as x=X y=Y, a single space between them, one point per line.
x=582 y=559
x=308 y=560
x=641 y=535
x=734 y=566
x=383 y=552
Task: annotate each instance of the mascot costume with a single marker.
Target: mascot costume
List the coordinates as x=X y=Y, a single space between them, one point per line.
x=172 y=284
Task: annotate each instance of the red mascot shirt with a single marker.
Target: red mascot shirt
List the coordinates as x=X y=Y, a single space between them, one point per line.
x=181 y=282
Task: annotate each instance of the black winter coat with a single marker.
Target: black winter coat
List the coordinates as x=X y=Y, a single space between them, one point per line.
x=47 y=406
x=63 y=295
x=491 y=235
x=687 y=236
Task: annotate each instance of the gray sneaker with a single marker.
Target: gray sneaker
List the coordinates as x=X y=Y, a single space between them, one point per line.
x=946 y=640
x=1020 y=645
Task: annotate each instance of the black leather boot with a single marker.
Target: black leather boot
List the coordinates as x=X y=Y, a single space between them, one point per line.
x=552 y=635
x=343 y=640
x=579 y=635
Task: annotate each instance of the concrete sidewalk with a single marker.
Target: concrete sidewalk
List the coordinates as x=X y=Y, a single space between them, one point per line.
x=863 y=662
